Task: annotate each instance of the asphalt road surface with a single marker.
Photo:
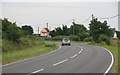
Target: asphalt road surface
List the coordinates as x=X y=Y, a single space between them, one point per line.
x=77 y=58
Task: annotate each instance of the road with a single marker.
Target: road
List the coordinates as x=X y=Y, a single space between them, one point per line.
x=77 y=58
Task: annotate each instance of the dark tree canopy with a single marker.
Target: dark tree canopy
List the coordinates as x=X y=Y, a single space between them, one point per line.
x=98 y=28
x=27 y=29
x=10 y=31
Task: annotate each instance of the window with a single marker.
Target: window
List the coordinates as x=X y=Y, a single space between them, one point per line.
x=43 y=33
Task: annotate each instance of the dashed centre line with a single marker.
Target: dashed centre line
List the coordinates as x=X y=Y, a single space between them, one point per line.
x=60 y=62
x=79 y=52
x=74 y=56
x=36 y=71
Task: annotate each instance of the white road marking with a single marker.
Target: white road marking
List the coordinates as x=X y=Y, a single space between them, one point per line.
x=112 y=62
x=74 y=56
x=81 y=49
x=37 y=71
x=29 y=58
x=79 y=52
x=60 y=62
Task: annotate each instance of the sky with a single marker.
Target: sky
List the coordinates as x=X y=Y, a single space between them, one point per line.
x=37 y=14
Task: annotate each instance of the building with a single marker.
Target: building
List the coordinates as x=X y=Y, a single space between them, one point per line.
x=45 y=32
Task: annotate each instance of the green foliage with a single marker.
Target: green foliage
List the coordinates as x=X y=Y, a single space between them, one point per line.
x=79 y=28
x=50 y=45
x=74 y=38
x=104 y=38
x=88 y=39
x=68 y=31
x=118 y=34
x=65 y=30
x=23 y=42
x=11 y=31
x=97 y=28
x=27 y=29
x=58 y=38
x=83 y=35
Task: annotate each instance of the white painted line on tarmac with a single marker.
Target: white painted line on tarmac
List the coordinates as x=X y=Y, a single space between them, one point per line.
x=37 y=71
x=74 y=56
x=79 y=52
x=112 y=62
x=29 y=58
x=60 y=62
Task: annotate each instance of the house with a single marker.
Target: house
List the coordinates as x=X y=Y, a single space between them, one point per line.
x=45 y=32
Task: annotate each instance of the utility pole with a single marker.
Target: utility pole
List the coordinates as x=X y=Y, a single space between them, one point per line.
x=92 y=17
x=73 y=25
x=38 y=30
x=47 y=25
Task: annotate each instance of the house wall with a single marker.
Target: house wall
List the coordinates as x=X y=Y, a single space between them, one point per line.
x=44 y=33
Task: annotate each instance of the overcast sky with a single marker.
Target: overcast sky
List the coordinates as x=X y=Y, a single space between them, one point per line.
x=37 y=14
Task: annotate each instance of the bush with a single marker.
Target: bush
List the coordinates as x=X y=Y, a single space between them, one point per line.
x=24 y=42
x=89 y=39
x=59 y=38
x=104 y=38
x=74 y=38
x=50 y=45
x=83 y=35
x=103 y=43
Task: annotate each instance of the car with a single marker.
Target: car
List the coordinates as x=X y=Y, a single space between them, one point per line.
x=66 y=41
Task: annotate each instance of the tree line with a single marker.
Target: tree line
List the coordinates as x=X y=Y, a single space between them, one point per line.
x=12 y=32
x=99 y=32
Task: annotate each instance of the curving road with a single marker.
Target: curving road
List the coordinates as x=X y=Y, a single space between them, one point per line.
x=77 y=58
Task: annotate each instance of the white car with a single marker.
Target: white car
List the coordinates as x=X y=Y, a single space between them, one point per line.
x=66 y=41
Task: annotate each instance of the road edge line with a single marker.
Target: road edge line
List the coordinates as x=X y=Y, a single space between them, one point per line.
x=112 y=62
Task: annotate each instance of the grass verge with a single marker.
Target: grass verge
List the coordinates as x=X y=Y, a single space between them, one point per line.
x=27 y=53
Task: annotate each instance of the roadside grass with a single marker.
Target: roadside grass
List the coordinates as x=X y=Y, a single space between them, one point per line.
x=113 y=48
x=28 y=52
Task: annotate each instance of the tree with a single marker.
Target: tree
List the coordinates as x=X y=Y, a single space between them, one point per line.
x=98 y=28
x=118 y=34
x=59 y=31
x=53 y=33
x=65 y=30
x=27 y=29
x=10 y=30
x=78 y=28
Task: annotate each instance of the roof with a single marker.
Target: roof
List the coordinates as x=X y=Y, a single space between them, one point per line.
x=46 y=29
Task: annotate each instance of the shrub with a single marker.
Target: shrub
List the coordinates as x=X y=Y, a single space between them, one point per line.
x=74 y=38
x=59 y=38
x=89 y=39
x=104 y=38
x=83 y=35
x=103 y=43
x=24 y=42
x=50 y=45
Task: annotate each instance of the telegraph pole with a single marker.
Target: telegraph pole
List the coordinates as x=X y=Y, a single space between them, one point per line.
x=92 y=17
x=73 y=25
x=47 y=25
x=38 y=30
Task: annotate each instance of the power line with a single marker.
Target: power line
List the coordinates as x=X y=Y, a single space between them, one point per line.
x=109 y=17
x=86 y=19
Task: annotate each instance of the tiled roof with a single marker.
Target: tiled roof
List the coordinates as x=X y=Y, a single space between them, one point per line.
x=47 y=29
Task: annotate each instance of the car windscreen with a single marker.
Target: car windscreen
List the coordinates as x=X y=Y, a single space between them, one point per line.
x=66 y=39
